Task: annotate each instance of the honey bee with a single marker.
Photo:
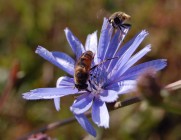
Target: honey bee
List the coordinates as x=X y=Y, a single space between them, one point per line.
x=83 y=68
x=117 y=20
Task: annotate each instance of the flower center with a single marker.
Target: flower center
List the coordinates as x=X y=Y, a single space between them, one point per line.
x=98 y=78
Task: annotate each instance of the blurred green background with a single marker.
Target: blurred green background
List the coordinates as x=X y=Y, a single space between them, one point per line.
x=26 y=24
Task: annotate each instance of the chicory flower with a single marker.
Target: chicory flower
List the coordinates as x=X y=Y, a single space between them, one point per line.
x=108 y=80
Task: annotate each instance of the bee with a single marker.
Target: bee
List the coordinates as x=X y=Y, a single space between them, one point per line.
x=83 y=69
x=117 y=20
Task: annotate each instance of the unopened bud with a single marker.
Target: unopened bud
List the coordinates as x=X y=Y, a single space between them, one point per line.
x=149 y=87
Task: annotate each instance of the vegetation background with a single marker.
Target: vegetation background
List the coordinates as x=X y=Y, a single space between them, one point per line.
x=26 y=24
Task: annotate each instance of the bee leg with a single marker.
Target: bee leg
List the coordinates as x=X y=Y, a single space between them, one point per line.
x=92 y=85
x=75 y=96
x=103 y=62
x=113 y=25
x=122 y=26
x=74 y=87
x=87 y=90
x=92 y=75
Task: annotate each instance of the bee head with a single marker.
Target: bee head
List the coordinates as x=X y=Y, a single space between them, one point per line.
x=117 y=20
x=81 y=86
x=89 y=54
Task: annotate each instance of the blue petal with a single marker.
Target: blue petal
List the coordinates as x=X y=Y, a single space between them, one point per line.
x=57 y=103
x=108 y=96
x=137 y=70
x=126 y=56
x=135 y=58
x=75 y=44
x=100 y=114
x=84 y=122
x=115 y=45
x=123 y=86
x=49 y=93
x=127 y=50
x=82 y=103
x=105 y=37
x=131 y=61
x=91 y=44
x=65 y=81
x=61 y=60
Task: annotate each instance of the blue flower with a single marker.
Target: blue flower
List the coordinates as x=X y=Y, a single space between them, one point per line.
x=108 y=80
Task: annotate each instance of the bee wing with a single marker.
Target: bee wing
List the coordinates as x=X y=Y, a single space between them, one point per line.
x=102 y=13
x=126 y=25
x=91 y=42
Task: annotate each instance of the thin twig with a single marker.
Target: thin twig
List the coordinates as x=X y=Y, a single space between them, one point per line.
x=49 y=127
x=12 y=79
x=174 y=86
